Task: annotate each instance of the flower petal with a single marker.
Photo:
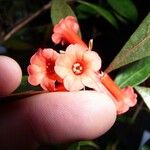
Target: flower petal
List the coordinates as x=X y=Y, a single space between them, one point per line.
x=90 y=80
x=93 y=60
x=71 y=22
x=121 y=107
x=62 y=71
x=38 y=58
x=64 y=61
x=34 y=69
x=35 y=79
x=57 y=27
x=75 y=52
x=73 y=83
x=48 y=84
x=56 y=38
x=130 y=96
x=50 y=54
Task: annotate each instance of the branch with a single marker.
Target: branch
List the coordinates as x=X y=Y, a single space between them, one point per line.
x=24 y=22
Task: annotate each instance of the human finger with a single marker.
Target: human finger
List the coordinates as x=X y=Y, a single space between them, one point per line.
x=55 y=118
x=10 y=75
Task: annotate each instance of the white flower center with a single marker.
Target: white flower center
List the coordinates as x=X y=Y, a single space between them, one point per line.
x=77 y=68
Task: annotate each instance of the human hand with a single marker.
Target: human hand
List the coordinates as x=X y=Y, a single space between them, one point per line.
x=50 y=117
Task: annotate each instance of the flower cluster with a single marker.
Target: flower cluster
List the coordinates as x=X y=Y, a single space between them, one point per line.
x=75 y=68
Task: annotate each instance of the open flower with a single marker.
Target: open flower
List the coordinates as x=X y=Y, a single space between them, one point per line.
x=41 y=71
x=78 y=67
x=67 y=31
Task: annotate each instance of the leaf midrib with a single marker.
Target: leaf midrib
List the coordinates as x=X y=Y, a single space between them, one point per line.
x=135 y=46
x=123 y=83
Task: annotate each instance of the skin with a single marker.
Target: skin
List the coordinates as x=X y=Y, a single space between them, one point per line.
x=50 y=117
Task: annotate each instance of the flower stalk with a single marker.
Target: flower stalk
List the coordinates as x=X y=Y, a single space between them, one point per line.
x=111 y=86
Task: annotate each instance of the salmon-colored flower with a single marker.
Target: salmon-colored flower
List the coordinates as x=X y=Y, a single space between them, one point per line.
x=124 y=98
x=129 y=100
x=41 y=71
x=67 y=31
x=78 y=67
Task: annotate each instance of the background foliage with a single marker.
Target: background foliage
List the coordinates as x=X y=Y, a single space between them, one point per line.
x=25 y=27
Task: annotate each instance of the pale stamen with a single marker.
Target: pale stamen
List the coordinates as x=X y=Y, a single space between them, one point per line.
x=90 y=44
x=77 y=68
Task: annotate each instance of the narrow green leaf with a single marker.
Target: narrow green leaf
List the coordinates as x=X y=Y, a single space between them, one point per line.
x=137 y=47
x=82 y=144
x=120 y=18
x=124 y=8
x=88 y=143
x=102 y=12
x=83 y=11
x=25 y=86
x=60 y=9
x=74 y=146
x=134 y=74
x=145 y=94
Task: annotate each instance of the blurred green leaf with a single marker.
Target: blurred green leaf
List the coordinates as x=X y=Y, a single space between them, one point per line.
x=123 y=20
x=125 y=8
x=25 y=86
x=137 y=47
x=146 y=147
x=102 y=12
x=134 y=74
x=82 y=144
x=145 y=94
x=60 y=9
x=83 y=11
x=88 y=143
x=74 y=146
x=124 y=119
x=17 y=44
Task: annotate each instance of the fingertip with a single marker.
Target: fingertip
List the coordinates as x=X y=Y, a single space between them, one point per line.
x=68 y=116
x=10 y=75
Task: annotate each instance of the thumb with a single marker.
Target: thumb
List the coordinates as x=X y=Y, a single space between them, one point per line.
x=10 y=75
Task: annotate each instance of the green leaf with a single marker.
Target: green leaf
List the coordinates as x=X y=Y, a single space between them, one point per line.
x=145 y=94
x=120 y=18
x=80 y=145
x=17 y=44
x=124 y=8
x=146 y=147
x=60 y=9
x=137 y=47
x=102 y=12
x=134 y=74
x=88 y=143
x=74 y=146
x=25 y=86
x=83 y=11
